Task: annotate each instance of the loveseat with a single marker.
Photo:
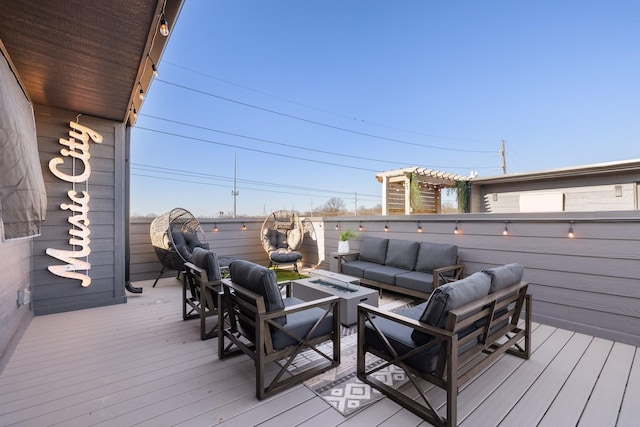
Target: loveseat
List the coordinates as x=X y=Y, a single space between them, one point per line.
x=404 y=266
x=463 y=328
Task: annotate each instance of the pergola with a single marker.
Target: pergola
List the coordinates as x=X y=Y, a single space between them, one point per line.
x=396 y=190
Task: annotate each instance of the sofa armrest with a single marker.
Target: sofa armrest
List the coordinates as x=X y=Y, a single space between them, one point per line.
x=439 y=274
x=368 y=312
x=346 y=257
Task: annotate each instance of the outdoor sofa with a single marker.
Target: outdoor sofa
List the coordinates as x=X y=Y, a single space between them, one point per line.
x=461 y=330
x=404 y=266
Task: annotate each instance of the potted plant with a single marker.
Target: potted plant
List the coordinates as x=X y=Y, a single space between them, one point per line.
x=344 y=236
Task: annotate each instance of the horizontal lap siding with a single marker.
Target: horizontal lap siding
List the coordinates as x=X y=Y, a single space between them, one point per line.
x=52 y=293
x=589 y=284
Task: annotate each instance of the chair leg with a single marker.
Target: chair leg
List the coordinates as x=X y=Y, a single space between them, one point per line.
x=157 y=278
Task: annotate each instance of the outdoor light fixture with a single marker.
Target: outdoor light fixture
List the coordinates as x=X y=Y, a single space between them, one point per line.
x=164 y=26
x=244 y=227
x=570 y=233
x=419 y=228
x=215 y=227
x=505 y=232
x=386 y=227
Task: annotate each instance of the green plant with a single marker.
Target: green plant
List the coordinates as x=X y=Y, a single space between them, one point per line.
x=463 y=189
x=347 y=234
x=415 y=198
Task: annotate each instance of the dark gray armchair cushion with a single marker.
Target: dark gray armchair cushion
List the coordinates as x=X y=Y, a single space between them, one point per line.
x=504 y=276
x=402 y=253
x=208 y=261
x=300 y=324
x=448 y=297
x=435 y=255
x=373 y=249
x=259 y=280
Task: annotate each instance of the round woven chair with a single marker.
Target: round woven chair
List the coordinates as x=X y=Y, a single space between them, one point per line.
x=174 y=235
x=282 y=233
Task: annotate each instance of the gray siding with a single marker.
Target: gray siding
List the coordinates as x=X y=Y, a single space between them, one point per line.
x=14 y=276
x=52 y=293
x=588 y=198
x=589 y=284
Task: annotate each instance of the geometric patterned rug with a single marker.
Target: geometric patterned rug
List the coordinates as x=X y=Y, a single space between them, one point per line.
x=340 y=386
x=343 y=390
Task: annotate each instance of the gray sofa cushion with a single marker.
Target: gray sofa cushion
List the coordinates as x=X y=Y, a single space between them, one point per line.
x=208 y=261
x=357 y=268
x=373 y=249
x=400 y=338
x=450 y=296
x=416 y=280
x=383 y=273
x=260 y=280
x=401 y=253
x=300 y=323
x=435 y=255
x=505 y=275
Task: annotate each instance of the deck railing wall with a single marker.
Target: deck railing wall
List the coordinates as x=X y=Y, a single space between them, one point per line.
x=589 y=283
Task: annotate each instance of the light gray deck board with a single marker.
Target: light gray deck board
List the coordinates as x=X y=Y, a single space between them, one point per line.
x=604 y=404
x=568 y=405
x=475 y=392
x=500 y=402
x=630 y=411
x=139 y=363
x=534 y=403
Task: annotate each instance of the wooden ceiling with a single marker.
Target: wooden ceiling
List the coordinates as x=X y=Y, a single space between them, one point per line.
x=86 y=56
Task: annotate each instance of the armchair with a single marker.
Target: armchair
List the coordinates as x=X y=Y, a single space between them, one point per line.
x=200 y=297
x=269 y=328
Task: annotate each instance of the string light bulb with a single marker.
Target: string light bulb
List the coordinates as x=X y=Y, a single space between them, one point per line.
x=215 y=227
x=570 y=233
x=505 y=232
x=386 y=227
x=164 y=27
x=141 y=93
x=360 y=227
x=244 y=227
x=337 y=226
x=419 y=228
x=456 y=230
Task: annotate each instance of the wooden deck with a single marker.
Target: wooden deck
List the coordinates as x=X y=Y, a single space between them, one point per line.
x=140 y=364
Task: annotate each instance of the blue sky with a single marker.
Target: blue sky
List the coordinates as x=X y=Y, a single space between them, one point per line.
x=314 y=97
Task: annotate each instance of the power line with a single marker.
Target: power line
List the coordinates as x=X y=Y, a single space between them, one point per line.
x=317 y=108
x=282 y=144
x=162 y=169
x=319 y=123
x=242 y=188
x=255 y=150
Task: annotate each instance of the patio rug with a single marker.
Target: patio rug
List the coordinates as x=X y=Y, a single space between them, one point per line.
x=339 y=386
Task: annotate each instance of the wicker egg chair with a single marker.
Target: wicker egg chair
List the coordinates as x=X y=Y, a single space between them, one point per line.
x=282 y=233
x=174 y=235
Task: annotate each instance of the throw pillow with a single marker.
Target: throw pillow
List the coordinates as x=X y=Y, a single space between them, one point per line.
x=504 y=276
x=448 y=297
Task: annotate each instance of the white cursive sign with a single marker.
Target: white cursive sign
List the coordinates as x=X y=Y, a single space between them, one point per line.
x=78 y=148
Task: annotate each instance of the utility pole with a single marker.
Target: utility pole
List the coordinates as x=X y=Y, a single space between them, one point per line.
x=356 y=210
x=234 y=192
x=504 y=159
